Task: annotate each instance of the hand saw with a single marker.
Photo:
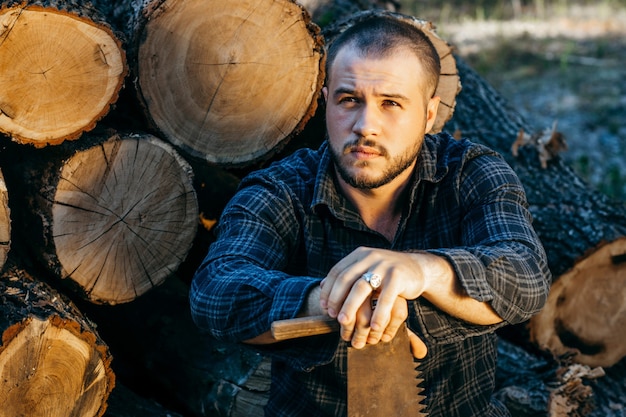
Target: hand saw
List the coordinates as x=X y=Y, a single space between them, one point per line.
x=382 y=379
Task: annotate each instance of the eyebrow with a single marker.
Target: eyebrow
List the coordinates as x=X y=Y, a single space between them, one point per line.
x=345 y=90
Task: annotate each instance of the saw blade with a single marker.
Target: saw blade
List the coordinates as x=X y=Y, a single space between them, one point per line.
x=384 y=380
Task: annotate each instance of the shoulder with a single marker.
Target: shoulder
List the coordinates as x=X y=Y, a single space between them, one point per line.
x=293 y=175
x=448 y=149
x=475 y=168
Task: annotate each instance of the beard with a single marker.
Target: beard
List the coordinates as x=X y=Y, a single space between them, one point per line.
x=395 y=166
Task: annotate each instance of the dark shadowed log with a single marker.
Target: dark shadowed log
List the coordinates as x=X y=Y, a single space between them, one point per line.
x=61 y=68
x=125 y=403
x=52 y=361
x=162 y=355
x=581 y=229
x=5 y=222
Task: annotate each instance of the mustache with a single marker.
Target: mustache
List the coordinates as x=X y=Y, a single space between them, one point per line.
x=352 y=145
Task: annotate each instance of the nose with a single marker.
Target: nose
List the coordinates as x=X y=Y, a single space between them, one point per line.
x=368 y=122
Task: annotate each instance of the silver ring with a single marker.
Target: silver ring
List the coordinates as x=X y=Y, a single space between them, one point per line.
x=373 y=279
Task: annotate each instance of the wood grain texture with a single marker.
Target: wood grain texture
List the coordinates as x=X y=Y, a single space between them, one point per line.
x=52 y=361
x=229 y=85
x=60 y=71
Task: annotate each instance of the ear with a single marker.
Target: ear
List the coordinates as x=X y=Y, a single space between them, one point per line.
x=431 y=112
x=325 y=93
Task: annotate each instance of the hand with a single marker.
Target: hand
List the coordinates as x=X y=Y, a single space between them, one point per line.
x=361 y=332
x=347 y=297
x=344 y=291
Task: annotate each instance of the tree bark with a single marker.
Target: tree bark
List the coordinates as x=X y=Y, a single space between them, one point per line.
x=52 y=361
x=114 y=217
x=61 y=68
x=5 y=222
x=582 y=231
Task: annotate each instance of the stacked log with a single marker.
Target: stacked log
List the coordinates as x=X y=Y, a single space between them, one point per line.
x=112 y=215
x=61 y=68
x=218 y=82
x=107 y=201
x=52 y=360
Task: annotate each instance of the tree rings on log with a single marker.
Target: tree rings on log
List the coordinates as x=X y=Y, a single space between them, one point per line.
x=585 y=314
x=59 y=73
x=231 y=82
x=52 y=361
x=124 y=216
x=449 y=81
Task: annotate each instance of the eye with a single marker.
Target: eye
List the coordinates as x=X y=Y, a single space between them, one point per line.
x=391 y=103
x=348 y=102
x=348 y=99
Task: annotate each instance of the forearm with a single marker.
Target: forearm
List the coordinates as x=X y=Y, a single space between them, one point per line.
x=511 y=279
x=236 y=301
x=443 y=289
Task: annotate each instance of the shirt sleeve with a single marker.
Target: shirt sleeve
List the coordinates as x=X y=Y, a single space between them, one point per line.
x=240 y=288
x=500 y=259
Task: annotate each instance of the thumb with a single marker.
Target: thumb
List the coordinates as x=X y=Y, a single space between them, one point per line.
x=418 y=348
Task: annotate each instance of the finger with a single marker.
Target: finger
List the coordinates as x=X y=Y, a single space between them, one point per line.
x=340 y=279
x=392 y=329
x=391 y=310
x=362 y=327
x=418 y=347
x=358 y=297
x=388 y=325
x=375 y=334
x=334 y=292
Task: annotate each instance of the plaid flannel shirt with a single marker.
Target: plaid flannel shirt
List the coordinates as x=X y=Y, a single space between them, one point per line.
x=288 y=225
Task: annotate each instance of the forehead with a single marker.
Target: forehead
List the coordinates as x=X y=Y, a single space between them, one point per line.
x=398 y=68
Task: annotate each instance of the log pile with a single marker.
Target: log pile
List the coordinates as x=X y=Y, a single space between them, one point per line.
x=127 y=126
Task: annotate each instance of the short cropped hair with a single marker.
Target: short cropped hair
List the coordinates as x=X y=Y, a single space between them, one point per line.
x=379 y=36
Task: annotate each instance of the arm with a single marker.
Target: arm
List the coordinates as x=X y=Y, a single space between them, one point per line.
x=495 y=271
x=241 y=286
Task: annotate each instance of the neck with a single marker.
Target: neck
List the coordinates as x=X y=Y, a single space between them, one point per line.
x=380 y=208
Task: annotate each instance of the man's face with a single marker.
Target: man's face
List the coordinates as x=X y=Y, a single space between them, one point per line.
x=377 y=112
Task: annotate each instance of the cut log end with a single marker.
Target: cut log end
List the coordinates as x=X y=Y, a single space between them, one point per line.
x=585 y=315
x=52 y=363
x=124 y=217
x=59 y=74
x=47 y=370
x=249 y=79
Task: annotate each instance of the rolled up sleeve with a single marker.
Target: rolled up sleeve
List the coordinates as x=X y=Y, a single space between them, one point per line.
x=501 y=259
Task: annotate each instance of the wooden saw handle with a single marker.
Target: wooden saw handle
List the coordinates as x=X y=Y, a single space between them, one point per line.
x=303 y=326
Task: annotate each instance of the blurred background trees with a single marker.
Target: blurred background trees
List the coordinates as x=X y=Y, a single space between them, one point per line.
x=553 y=60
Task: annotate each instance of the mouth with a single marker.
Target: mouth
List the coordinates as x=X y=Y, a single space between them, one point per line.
x=364 y=151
